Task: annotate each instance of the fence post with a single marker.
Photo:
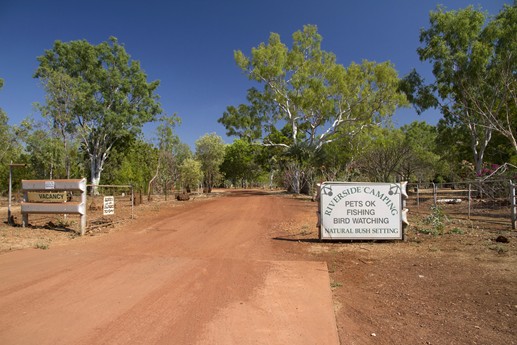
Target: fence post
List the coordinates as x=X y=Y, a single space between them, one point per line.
x=514 y=207
x=132 y=202
x=83 y=201
x=435 y=192
x=470 y=197
x=418 y=196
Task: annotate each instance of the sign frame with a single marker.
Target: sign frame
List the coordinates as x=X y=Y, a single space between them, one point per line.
x=49 y=186
x=361 y=211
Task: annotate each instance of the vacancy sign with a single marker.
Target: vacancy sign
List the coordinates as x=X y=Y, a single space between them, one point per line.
x=361 y=211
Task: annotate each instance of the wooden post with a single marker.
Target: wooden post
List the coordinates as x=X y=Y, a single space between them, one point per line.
x=513 y=203
x=9 y=216
x=83 y=201
x=132 y=202
x=418 y=197
x=435 y=192
x=470 y=196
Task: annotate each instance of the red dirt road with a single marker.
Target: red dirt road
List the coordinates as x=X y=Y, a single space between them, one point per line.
x=204 y=273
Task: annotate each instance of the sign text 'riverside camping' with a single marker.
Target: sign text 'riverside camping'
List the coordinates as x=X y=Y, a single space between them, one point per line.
x=361 y=211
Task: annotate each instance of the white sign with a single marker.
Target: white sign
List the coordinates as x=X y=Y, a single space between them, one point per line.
x=361 y=211
x=49 y=184
x=109 y=205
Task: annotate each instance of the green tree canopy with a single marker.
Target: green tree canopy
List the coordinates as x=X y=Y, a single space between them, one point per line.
x=112 y=98
x=10 y=148
x=6 y=134
x=453 y=45
x=62 y=96
x=305 y=88
x=168 y=167
x=382 y=154
x=239 y=163
x=473 y=58
x=494 y=97
x=421 y=161
x=136 y=165
x=191 y=173
x=308 y=100
x=210 y=152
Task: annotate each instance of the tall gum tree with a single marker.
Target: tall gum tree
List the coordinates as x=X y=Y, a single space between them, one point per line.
x=210 y=152
x=62 y=95
x=167 y=168
x=5 y=133
x=307 y=91
x=452 y=44
x=473 y=59
x=11 y=147
x=305 y=88
x=112 y=97
x=494 y=95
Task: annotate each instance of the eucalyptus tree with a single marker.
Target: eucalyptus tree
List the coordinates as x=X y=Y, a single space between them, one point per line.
x=210 y=152
x=112 y=98
x=137 y=165
x=422 y=161
x=494 y=96
x=383 y=152
x=11 y=149
x=473 y=60
x=453 y=145
x=191 y=174
x=45 y=154
x=62 y=96
x=7 y=135
x=180 y=151
x=239 y=164
x=167 y=169
x=307 y=91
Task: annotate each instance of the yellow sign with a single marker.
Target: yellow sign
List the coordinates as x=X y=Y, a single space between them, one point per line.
x=46 y=196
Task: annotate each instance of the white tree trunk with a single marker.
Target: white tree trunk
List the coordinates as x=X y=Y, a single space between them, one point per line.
x=95 y=170
x=95 y=183
x=296 y=181
x=271 y=177
x=478 y=149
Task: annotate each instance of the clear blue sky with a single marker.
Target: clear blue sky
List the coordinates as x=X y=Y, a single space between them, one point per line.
x=189 y=45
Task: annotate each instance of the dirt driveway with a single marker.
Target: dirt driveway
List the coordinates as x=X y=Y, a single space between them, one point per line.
x=247 y=268
x=206 y=273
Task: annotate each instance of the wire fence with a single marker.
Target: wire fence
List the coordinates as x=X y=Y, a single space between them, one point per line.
x=492 y=202
x=482 y=201
x=109 y=204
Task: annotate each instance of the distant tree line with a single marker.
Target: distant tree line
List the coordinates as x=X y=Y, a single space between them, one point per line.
x=306 y=120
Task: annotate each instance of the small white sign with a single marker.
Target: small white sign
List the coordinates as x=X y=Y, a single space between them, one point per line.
x=109 y=205
x=49 y=184
x=361 y=211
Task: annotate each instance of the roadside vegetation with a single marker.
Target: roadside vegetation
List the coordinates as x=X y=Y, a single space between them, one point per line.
x=307 y=118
